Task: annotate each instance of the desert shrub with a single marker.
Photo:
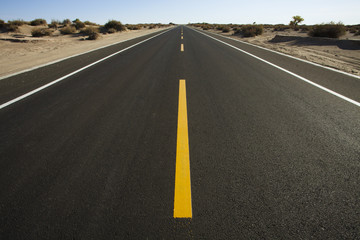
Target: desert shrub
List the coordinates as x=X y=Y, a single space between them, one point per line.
x=11 y=27
x=90 y=23
x=281 y=27
x=220 y=28
x=38 y=22
x=68 y=30
x=133 y=27
x=251 y=30
x=330 y=30
x=305 y=28
x=226 y=29
x=357 y=33
x=89 y=30
x=93 y=36
x=41 y=32
x=2 y=23
x=111 y=30
x=78 y=24
x=66 y=22
x=18 y=22
x=54 y=24
x=118 y=26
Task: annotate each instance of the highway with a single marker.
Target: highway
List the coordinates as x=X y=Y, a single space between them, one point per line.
x=186 y=135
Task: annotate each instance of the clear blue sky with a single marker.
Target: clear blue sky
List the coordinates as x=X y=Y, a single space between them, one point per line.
x=185 y=11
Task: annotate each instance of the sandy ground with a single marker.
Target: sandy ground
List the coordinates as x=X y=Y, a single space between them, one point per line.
x=342 y=54
x=31 y=52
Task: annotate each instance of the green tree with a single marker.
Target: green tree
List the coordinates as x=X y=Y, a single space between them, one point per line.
x=296 y=20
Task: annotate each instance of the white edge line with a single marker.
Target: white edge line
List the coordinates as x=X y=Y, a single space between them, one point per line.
x=287 y=71
x=73 y=73
x=286 y=55
x=65 y=58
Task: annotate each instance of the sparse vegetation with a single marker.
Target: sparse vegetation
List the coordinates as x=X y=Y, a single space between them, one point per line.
x=134 y=27
x=18 y=22
x=54 y=24
x=281 y=27
x=68 y=30
x=38 y=22
x=330 y=30
x=113 y=24
x=90 y=23
x=41 y=32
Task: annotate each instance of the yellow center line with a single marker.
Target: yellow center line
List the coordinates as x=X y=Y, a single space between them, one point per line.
x=182 y=199
x=182 y=47
x=182 y=37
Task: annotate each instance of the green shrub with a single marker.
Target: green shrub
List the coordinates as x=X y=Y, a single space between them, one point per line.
x=18 y=22
x=118 y=26
x=330 y=30
x=38 y=22
x=78 y=24
x=68 y=30
x=251 y=30
x=41 y=32
x=2 y=24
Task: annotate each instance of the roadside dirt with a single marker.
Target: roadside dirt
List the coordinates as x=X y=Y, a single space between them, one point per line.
x=20 y=51
x=342 y=54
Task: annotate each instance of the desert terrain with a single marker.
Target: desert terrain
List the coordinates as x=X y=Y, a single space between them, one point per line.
x=342 y=54
x=21 y=51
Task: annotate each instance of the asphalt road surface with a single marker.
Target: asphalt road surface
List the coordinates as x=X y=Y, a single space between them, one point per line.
x=94 y=156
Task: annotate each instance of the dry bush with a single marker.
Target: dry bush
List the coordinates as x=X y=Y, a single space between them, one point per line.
x=251 y=30
x=2 y=24
x=54 y=24
x=90 y=23
x=68 y=30
x=118 y=26
x=11 y=27
x=329 y=30
x=66 y=22
x=38 y=21
x=18 y=22
x=111 y=30
x=281 y=27
x=41 y=32
x=226 y=29
x=133 y=27
x=78 y=24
